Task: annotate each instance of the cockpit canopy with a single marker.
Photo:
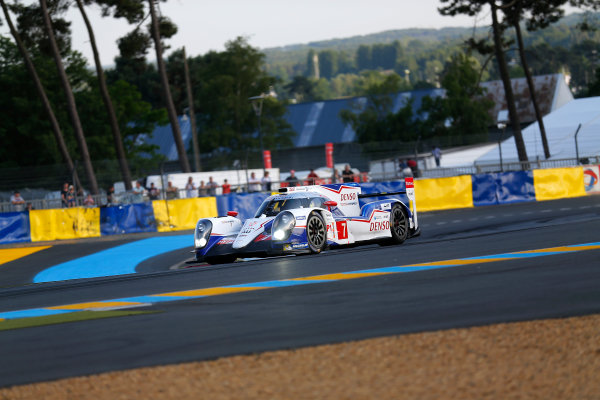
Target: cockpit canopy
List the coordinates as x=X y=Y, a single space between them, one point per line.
x=274 y=205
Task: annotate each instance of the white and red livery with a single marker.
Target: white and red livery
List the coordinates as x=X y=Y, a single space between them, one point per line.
x=309 y=219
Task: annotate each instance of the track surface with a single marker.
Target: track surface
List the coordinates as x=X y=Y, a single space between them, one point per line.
x=512 y=290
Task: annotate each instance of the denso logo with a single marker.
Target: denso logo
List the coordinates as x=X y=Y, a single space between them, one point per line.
x=379 y=226
x=347 y=196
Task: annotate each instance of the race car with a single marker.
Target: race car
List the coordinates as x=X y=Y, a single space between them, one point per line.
x=308 y=219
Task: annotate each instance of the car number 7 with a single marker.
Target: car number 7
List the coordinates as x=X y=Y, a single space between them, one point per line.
x=342 y=229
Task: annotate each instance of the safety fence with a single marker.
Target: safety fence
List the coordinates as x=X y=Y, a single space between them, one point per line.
x=182 y=214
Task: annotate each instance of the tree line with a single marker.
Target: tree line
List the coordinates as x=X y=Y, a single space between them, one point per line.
x=568 y=45
x=55 y=109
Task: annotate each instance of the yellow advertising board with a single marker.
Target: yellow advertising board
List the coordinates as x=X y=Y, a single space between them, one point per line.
x=558 y=183
x=64 y=223
x=180 y=214
x=444 y=193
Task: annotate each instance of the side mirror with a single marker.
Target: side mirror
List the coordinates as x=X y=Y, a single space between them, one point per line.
x=232 y=213
x=329 y=204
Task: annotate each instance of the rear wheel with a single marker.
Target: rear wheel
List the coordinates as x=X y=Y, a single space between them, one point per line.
x=316 y=232
x=398 y=224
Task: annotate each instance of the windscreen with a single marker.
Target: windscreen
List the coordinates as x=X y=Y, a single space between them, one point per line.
x=273 y=207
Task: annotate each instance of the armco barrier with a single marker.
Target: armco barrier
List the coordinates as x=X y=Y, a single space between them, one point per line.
x=128 y=218
x=558 y=183
x=65 y=223
x=502 y=188
x=591 y=178
x=180 y=214
x=444 y=193
x=245 y=204
x=14 y=227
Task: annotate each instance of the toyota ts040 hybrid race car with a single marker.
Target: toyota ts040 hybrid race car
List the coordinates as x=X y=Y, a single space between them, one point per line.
x=308 y=219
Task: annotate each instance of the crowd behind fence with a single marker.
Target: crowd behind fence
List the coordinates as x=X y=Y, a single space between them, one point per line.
x=379 y=170
x=104 y=199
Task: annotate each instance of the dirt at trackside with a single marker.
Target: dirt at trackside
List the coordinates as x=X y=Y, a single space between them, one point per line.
x=548 y=359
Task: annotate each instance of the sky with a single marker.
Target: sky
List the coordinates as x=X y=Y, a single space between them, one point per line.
x=208 y=25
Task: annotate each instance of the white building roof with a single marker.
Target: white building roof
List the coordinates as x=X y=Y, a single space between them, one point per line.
x=561 y=126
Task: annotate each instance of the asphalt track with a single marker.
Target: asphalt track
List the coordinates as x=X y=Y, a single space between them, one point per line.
x=548 y=286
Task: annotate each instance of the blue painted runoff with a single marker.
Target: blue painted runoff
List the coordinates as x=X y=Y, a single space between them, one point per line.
x=118 y=260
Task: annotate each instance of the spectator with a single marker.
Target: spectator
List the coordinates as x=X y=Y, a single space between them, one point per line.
x=29 y=207
x=412 y=164
x=347 y=174
x=336 y=176
x=71 y=197
x=171 y=191
x=110 y=196
x=226 y=187
x=138 y=193
x=202 y=190
x=292 y=180
x=89 y=201
x=253 y=183
x=211 y=187
x=17 y=201
x=312 y=175
x=405 y=170
x=266 y=182
x=190 y=188
x=63 y=194
x=153 y=192
x=437 y=154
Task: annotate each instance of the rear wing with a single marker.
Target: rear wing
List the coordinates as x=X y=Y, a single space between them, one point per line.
x=409 y=192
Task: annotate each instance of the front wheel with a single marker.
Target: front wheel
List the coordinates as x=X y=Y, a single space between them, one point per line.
x=398 y=224
x=316 y=232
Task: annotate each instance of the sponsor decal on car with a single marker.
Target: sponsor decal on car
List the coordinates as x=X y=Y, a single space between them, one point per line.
x=347 y=196
x=386 y=206
x=300 y=218
x=287 y=247
x=226 y=241
x=379 y=226
x=300 y=246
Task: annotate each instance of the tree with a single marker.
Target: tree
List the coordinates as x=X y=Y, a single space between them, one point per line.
x=60 y=141
x=472 y=8
x=192 y=112
x=328 y=63
x=229 y=79
x=376 y=121
x=363 y=57
x=463 y=110
x=110 y=110
x=156 y=36
x=542 y=14
x=594 y=88
x=71 y=105
x=301 y=88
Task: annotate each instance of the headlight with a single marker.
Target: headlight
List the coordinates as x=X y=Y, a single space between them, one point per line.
x=283 y=225
x=202 y=233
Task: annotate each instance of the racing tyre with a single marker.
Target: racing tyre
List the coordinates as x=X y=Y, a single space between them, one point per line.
x=398 y=224
x=316 y=232
x=221 y=259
